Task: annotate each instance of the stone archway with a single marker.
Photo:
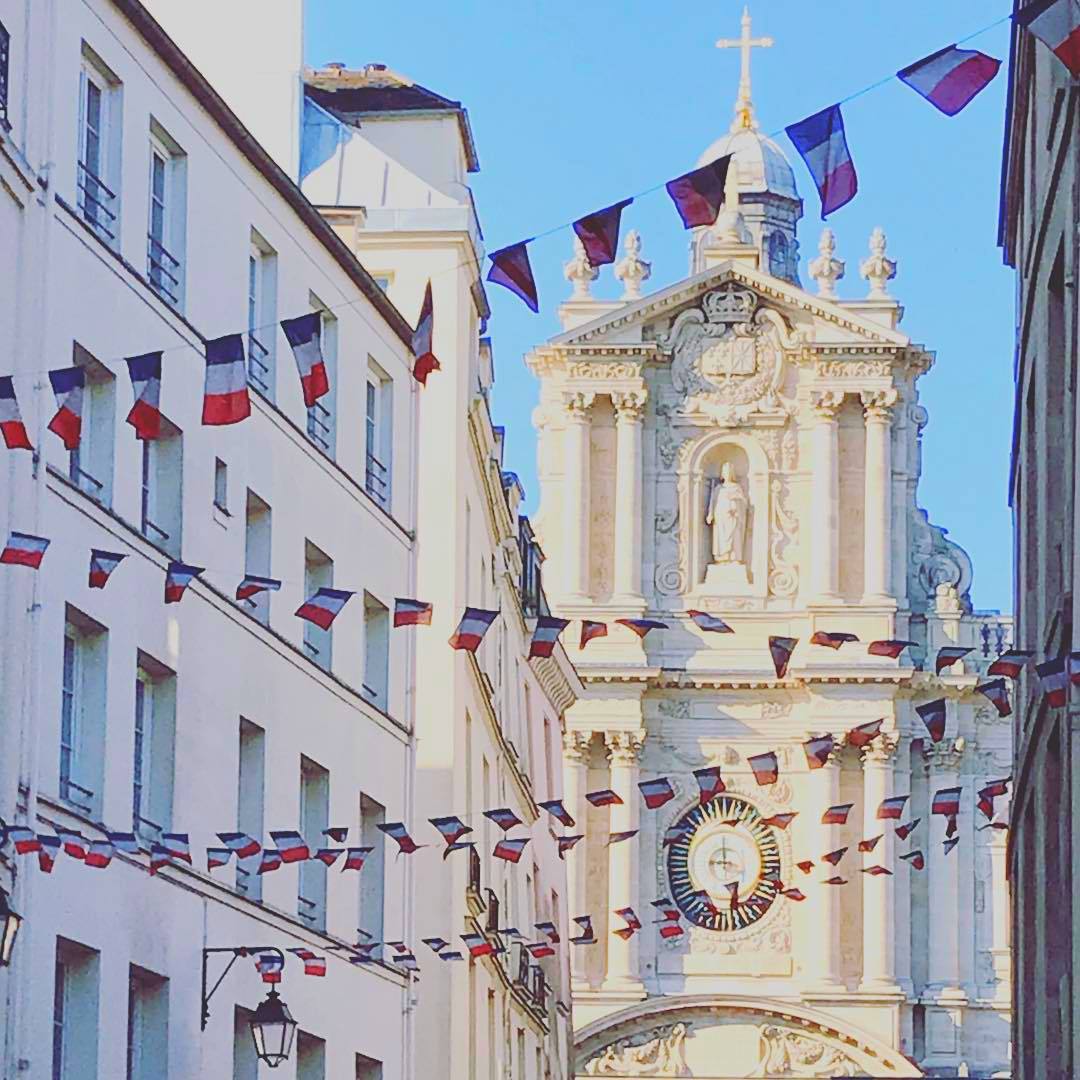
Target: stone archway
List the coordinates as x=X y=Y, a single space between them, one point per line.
x=729 y=1038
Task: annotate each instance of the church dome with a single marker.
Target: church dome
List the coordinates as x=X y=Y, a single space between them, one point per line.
x=761 y=165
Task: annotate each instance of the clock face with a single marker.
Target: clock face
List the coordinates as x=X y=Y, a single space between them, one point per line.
x=725 y=846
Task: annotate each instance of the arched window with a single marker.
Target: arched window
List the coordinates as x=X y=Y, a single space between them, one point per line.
x=778 y=255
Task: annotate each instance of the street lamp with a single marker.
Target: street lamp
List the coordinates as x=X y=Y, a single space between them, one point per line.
x=10 y=921
x=273 y=1029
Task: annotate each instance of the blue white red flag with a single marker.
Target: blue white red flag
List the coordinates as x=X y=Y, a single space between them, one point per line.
x=412 y=613
x=946 y=802
x=436 y=944
x=47 y=851
x=629 y=917
x=22 y=549
x=549 y=930
x=451 y=954
x=26 y=841
x=997 y=693
x=304 y=335
x=270 y=861
x=933 y=715
x=891 y=647
x=831 y=639
x=328 y=855
x=559 y=812
x=324 y=607
x=806 y=865
x=947 y=656
x=833 y=857
x=472 y=628
x=590 y=629
x=225 y=397
x=619 y=837
x=1053 y=679
x=145 y=414
x=642 y=626
x=178 y=577
x=422 y=338
x=699 y=194
x=870 y=842
x=546 y=634
x=904 y=831
x=452 y=829
x=1056 y=23
x=102 y=564
x=1010 y=663
x=74 y=842
x=11 y=422
x=949 y=843
x=159 y=857
x=478 y=945
x=406 y=961
x=269 y=966
x=68 y=385
x=951 y=77
x=817 y=750
x=291 y=846
x=400 y=835
x=510 y=268
x=864 y=734
x=892 y=808
x=837 y=815
x=822 y=145
x=599 y=233
x=587 y=935
x=565 y=843
x=457 y=845
x=355 y=858
x=603 y=797
x=780 y=649
x=837 y=880
x=793 y=894
x=766 y=767
x=510 y=849
x=337 y=833
x=782 y=820
x=245 y=846
x=313 y=963
x=709 y=782
x=178 y=845
x=711 y=623
x=99 y=854
x=126 y=842
x=914 y=859
x=875 y=871
x=504 y=817
x=252 y=585
x=540 y=949
x=217 y=856
x=675 y=833
x=656 y=792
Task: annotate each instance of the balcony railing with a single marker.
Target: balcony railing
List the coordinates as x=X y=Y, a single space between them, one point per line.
x=319 y=429
x=308 y=910
x=259 y=372
x=162 y=270
x=97 y=204
x=377 y=481
x=80 y=797
x=88 y=484
x=474 y=872
x=492 y=925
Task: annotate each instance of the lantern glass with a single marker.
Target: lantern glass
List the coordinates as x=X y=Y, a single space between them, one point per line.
x=273 y=1030
x=10 y=921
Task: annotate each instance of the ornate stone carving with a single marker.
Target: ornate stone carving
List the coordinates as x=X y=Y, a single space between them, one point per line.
x=881 y=751
x=877 y=269
x=783 y=575
x=624 y=747
x=789 y=449
x=629 y=405
x=676 y=708
x=580 y=272
x=826 y=269
x=578 y=403
x=857 y=369
x=826 y=403
x=576 y=746
x=604 y=371
x=659 y=1051
x=772 y=710
x=785 y=1052
x=945 y=757
x=933 y=561
x=670 y=579
x=631 y=269
x=878 y=404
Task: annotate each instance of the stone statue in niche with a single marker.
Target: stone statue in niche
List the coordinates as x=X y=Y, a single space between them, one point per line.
x=727 y=515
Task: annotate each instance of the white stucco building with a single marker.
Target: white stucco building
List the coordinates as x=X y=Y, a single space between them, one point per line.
x=138 y=213
x=807 y=405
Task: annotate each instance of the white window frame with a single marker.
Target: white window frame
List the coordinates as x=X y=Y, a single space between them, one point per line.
x=262 y=315
x=165 y=232
x=98 y=192
x=322 y=416
x=378 y=435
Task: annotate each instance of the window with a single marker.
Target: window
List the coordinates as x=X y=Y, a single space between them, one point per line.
x=378 y=434
x=368 y=1068
x=5 y=50
x=162 y=489
x=314 y=818
x=90 y=464
x=372 y=814
x=251 y=784
x=376 y=652
x=82 y=712
x=245 y=1062
x=262 y=314
x=310 y=1057
x=221 y=485
x=148 y=1025
x=318 y=574
x=168 y=216
x=257 y=552
x=383 y=280
x=75 y=1012
x=99 y=148
x=322 y=416
x=154 y=745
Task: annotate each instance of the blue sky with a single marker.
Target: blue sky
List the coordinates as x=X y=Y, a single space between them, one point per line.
x=575 y=105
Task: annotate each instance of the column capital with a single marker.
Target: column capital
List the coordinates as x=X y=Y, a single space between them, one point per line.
x=826 y=403
x=878 y=404
x=944 y=758
x=576 y=746
x=629 y=405
x=881 y=751
x=578 y=403
x=624 y=747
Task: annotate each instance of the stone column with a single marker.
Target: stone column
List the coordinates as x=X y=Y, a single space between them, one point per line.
x=823 y=967
x=1000 y=954
x=901 y=871
x=575 y=780
x=825 y=499
x=943 y=974
x=624 y=750
x=575 y=509
x=877 y=534
x=630 y=409
x=879 y=917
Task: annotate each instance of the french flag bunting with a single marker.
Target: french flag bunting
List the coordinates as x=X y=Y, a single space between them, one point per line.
x=997 y=693
x=422 y=337
x=74 y=843
x=328 y=855
x=178 y=577
x=304 y=335
x=270 y=861
x=549 y=930
x=243 y=845
x=817 y=750
x=178 y=845
x=559 y=812
x=407 y=961
x=709 y=623
x=411 y=612
x=457 y=845
x=830 y=639
x=452 y=829
x=99 y=854
x=546 y=634
x=833 y=857
x=949 y=843
x=891 y=647
x=26 y=841
x=291 y=846
x=22 y=549
x=145 y=414
x=565 y=843
x=217 y=856
x=642 y=626
x=539 y=950
x=914 y=859
x=587 y=935
x=822 y=144
x=504 y=817
x=269 y=966
x=590 y=629
x=656 y=792
x=864 y=734
x=478 y=945
x=510 y=850
x=836 y=880
x=904 y=831
x=870 y=843
x=436 y=944
x=68 y=385
x=710 y=783
x=313 y=963
x=951 y=77
x=996 y=788
x=337 y=833
x=892 y=808
x=159 y=857
x=766 y=767
x=1056 y=23
x=599 y=233
x=628 y=915
x=933 y=715
x=837 y=815
x=11 y=422
x=947 y=656
x=1053 y=679
x=603 y=797
x=364 y=953
x=225 y=397
x=619 y=837
x=1010 y=663
x=451 y=954
x=510 y=268
x=946 y=802
x=875 y=871
x=671 y=930
x=355 y=858
x=102 y=564
x=699 y=194
x=805 y=866
x=781 y=821
x=793 y=894
x=324 y=607
x=252 y=585
x=127 y=842
x=47 y=851
x=472 y=628
x=781 y=648
x=400 y=835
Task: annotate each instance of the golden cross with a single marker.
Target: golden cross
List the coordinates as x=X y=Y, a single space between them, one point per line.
x=744 y=107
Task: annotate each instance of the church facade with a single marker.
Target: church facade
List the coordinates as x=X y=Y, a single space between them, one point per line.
x=738 y=446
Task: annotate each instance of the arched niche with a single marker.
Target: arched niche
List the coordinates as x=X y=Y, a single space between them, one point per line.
x=699 y=472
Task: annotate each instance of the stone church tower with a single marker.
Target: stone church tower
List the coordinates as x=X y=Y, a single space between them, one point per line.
x=733 y=444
